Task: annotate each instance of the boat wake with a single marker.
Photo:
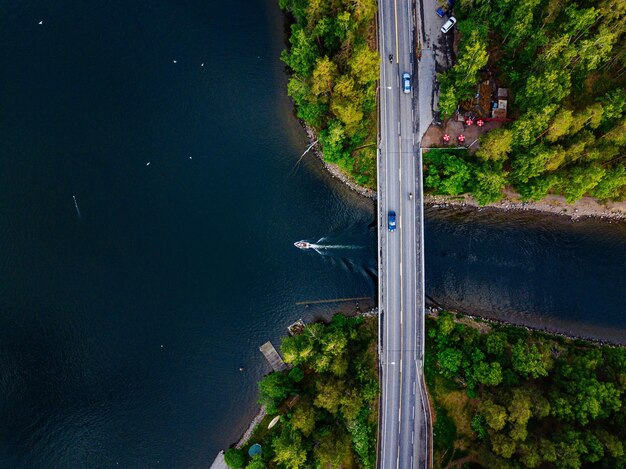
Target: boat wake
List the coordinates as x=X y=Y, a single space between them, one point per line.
x=318 y=247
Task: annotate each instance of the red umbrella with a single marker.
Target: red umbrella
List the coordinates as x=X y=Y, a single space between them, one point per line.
x=469 y=121
x=480 y=122
x=461 y=138
x=446 y=138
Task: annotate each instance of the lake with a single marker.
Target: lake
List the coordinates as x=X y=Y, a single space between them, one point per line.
x=124 y=319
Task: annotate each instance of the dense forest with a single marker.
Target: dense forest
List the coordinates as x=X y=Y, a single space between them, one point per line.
x=505 y=397
x=564 y=63
x=334 y=67
x=327 y=402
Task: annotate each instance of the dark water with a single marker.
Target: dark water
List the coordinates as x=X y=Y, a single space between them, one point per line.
x=540 y=270
x=122 y=331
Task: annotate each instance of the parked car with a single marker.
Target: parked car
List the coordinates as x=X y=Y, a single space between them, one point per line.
x=447 y=10
x=448 y=25
x=391 y=220
x=406 y=82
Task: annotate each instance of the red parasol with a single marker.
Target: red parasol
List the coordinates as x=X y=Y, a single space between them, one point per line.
x=480 y=122
x=446 y=138
x=469 y=121
x=461 y=138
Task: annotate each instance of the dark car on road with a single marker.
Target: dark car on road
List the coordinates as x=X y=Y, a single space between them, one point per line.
x=391 y=220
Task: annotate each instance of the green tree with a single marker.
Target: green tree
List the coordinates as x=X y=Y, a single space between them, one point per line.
x=296 y=374
x=234 y=458
x=364 y=64
x=613 y=106
x=489 y=181
x=496 y=343
x=448 y=97
x=303 y=418
x=502 y=445
x=495 y=145
x=529 y=454
x=529 y=361
x=329 y=394
x=297 y=349
x=580 y=180
x=323 y=77
x=548 y=450
x=538 y=187
x=495 y=415
x=478 y=425
x=612 y=185
x=560 y=125
x=303 y=53
x=450 y=361
x=257 y=463
x=333 y=448
x=447 y=173
x=273 y=389
x=521 y=22
x=471 y=59
x=288 y=448
x=488 y=373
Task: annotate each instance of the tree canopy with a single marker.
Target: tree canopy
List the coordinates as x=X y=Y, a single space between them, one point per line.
x=565 y=64
x=334 y=65
x=531 y=400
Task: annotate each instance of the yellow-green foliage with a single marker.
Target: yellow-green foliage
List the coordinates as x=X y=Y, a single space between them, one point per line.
x=335 y=67
x=546 y=396
x=565 y=64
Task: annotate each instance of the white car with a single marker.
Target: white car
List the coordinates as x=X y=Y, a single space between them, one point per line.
x=448 y=25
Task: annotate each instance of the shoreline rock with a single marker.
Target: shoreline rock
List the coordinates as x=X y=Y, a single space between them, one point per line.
x=587 y=207
x=253 y=424
x=334 y=170
x=435 y=310
x=553 y=204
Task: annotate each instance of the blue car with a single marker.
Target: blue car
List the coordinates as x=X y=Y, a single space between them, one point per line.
x=445 y=11
x=406 y=82
x=391 y=220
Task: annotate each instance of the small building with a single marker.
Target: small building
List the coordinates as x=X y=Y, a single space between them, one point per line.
x=499 y=110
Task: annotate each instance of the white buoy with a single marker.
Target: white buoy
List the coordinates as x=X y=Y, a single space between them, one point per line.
x=202 y=65
x=148 y=163
x=190 y=157
x=174 y=61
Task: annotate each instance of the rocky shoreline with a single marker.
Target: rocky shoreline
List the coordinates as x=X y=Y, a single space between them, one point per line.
x=333 y=169
x=435 y=310
x=587 y=207
x=553 y=204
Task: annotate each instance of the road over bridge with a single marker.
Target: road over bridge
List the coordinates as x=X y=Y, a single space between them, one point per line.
x=405 y=421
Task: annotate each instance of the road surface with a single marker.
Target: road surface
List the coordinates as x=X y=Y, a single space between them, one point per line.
x=404 y=427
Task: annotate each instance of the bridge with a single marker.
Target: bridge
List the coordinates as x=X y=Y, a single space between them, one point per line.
x=404 y=418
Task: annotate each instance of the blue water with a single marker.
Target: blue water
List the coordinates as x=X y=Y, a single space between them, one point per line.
x=122 y=330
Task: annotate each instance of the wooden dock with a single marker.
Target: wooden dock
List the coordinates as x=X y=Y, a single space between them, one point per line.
x=334 y=300
x=272 y=356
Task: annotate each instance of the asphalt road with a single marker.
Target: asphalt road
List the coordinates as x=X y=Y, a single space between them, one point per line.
x=404 y=415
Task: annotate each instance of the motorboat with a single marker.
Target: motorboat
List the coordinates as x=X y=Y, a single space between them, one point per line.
x=302 y=245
